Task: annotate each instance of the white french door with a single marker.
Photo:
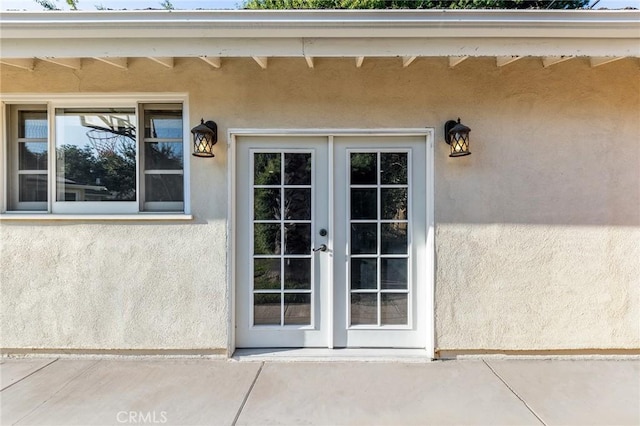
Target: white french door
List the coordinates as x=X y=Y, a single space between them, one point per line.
x=331 y=241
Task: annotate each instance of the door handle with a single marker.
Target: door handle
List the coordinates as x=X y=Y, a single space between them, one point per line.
x=323 y=247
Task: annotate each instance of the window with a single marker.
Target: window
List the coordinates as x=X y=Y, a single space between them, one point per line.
x=102 y=162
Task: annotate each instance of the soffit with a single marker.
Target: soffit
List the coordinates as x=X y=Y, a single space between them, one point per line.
x=113 y=36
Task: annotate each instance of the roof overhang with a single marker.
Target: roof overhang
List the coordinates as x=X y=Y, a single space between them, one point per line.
x=320 y=33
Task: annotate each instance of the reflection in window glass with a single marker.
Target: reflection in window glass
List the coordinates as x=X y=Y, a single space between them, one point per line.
x=266 y=203
x=379 y=244
x=393 y=309
x=297 y=204
x=266 y=168
x=266 y=274
x=163 y=155
x=297 y=169
x=32 y=124
x=364 y=309
x=96 y=154
x=297 y=238
x=393 y=203
x=297 y=274
x=163 y=124
x=364 y=274
x=266 y=309
x=266 y=238
x=363 y=203
x=164 y=187
x=393 y=238
x=282 y=209
x=32 y=188
x=393 y=168
x=32 y=155
x=297 y=309
x=364 y=168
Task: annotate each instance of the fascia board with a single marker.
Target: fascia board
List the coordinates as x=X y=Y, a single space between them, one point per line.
x=318 y=24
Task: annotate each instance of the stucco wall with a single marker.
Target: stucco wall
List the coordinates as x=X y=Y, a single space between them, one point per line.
x=538 y=231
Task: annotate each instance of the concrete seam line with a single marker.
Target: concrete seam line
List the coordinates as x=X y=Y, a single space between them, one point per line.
x=56 y=392
x=246 y=397
x=515 y=393
x=28 y=375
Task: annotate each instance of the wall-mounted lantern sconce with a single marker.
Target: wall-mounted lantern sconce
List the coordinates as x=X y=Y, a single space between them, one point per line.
x=205 y=136
x=456 y=134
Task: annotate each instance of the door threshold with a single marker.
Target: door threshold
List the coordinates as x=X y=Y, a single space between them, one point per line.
x=330 y=355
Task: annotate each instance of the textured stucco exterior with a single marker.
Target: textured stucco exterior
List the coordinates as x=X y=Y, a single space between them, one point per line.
x=537 y=232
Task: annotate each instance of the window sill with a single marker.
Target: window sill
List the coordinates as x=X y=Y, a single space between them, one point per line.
x=18 y=216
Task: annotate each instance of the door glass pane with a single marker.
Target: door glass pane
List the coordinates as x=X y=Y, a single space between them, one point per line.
x=266 y=203
x=393 y=203
x=364 y=274
x=266 y=309
x=284 y=208
x=96 y=154
x=379 y=194
x=364 y=168
x=32 y=155
x=297 y=238
x=364 y=237
x=297 y=274
x=297 y=169
x=297 y=309
x=364 y=308
x=393 y=273
x=266 y=238
x=266 y=168
x=393 y=168
x=364 y=203
x=393 y=238
x=393 y=309
x=266 y=274
x=297 y=204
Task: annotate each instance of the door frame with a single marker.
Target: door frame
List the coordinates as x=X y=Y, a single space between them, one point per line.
x=329 y=133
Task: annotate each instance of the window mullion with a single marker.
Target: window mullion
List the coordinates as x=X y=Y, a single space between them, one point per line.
x=140 y=156
x=52 y=156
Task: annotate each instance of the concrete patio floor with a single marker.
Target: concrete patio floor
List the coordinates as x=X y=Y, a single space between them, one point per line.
x=39 y=391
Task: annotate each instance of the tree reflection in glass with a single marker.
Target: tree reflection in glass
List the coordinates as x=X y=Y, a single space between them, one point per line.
x=96 y=155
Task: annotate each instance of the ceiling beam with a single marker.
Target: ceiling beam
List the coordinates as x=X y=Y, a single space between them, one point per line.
x=121 y=63
x=309 y=60
x=359 y=61
x=408 y=60
x=214 y=61
x=456 y=60
x=73 y=63
x=547 y=61
x=262 y=61
x=597 y=61
x=25 y=64
x=501 y=61
x=164 y=61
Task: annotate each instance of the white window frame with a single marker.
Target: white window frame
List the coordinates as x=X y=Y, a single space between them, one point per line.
x=96 y=210
x=155 y=206
x=13 y=158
